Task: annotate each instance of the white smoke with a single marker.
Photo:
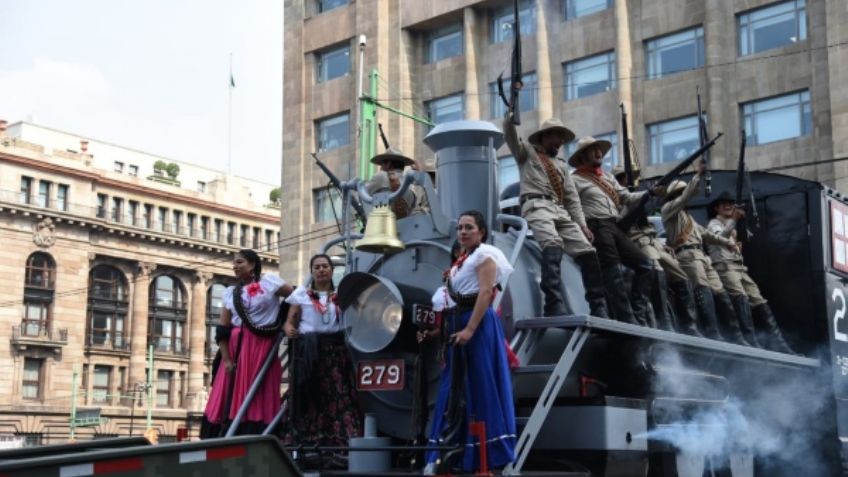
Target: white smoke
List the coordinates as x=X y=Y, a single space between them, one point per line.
x=776 y=414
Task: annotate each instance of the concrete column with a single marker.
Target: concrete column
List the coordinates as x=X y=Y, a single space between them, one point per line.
x=717 y=99
x=138 y=323
x=472 y=82
x=543 y=63
x=624 y=67
x=197 y=333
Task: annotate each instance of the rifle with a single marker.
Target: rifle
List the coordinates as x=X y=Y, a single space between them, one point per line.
x=632 y=215
x=354 y=202
x=702 y=138
x=742 y=231
x=515 y=71
x=383 y=135
x=625 y=146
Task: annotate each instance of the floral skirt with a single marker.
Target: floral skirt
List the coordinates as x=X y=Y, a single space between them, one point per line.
x=328 y=412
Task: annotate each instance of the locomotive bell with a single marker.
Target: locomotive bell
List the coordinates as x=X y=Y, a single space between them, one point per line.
x=380 y=232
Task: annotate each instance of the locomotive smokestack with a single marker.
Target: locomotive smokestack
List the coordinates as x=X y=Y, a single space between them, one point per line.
x=466 y=174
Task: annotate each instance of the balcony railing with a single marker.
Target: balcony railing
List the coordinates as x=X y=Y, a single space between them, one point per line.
x=38 y=333
x=107 y=341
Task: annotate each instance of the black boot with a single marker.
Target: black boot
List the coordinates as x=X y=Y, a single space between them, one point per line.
x=640 y=295
x=659 y=301
x=707 y=312
x=727 y=315
x=771 y=338
x=746 y=323
x=552 y=281
x=617 y=292
x=687 y=313
x=593 y=283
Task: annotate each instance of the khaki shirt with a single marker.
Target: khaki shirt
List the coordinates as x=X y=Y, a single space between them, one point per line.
x=676 y=220
x=534 y=180
x=725 y=228
x=597 y=204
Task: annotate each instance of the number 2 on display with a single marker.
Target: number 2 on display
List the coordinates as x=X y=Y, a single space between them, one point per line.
x=838 y=295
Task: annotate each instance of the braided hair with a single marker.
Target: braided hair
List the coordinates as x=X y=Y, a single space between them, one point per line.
x=253 y=258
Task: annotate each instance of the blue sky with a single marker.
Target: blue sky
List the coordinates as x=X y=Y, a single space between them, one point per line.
x=151 y=74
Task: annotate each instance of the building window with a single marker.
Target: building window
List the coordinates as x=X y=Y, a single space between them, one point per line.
x=256 y=236
x=675 y=53
x=132 y=213
x=269 y=238
x=327 y=204
x=449 y=108
x=119 y=166
x=502 y=28
x=673 y=140
x=243 y=236
x=163 y=388
x=327 y=5
x=580 y=8
x=527 y=95
x=332 y=63
x=201 y=186
x=122 y=384
x=589 y=76
x=117 y=208
x=148 y=216
x=204 y=228
x=214 y=305
x=62 y=197
x=167 y=315
x=507 y=172
x=108 y=304
x=31 y=388
x=333 y=132
x=610 y=160
x=219 y=225
x=26 y=190
x=778 y=118
x=36 y=318
x=44 y=194
x=772 y=27
x=178 y=223
x=100 y=388
x=191 y=221
x=102 y=200
x=162 y=219
x=133 y=170
x=444 y=43
x=231 y=233
x=31 y=439
x=40 y=271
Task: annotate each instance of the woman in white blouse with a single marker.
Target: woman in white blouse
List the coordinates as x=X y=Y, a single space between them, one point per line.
x=322 y=403
x=477 y=340
x=248 y=328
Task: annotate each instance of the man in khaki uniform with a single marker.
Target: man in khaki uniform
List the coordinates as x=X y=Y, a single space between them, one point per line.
x=550 y=204
x=667 y=273
x=747 y=299
x=391 y=164
x=603 y=199
x=687 y=238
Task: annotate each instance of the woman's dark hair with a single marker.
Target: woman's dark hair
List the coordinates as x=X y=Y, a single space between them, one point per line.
x=455 y=249
x=480 y=221
x=329 y=261
x=253 y=258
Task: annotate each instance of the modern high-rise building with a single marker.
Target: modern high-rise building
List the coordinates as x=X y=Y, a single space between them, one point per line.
x=106 y=253
x=778 y=69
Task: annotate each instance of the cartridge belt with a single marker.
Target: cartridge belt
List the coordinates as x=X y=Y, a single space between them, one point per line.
x=525 y=197
x=687 y=247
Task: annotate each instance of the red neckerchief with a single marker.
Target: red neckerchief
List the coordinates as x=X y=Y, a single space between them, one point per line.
x=315 y=298
x=457 y=263
x=594 y=169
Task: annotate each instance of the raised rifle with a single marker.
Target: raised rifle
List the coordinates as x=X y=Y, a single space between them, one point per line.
x=383 y=135
x=625 y=149
x=702 y=138
x=354 y=202
x=515 y=70
x=742 y=232
x=632 y=215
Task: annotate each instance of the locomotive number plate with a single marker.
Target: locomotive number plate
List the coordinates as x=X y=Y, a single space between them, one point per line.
x=380 y=375
x=424 y=317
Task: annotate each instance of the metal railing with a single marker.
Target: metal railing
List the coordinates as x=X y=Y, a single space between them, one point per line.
x=108 y=340
x=36 y=330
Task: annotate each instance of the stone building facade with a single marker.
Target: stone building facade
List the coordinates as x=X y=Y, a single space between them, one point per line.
x=777 y=68
x=103 y=256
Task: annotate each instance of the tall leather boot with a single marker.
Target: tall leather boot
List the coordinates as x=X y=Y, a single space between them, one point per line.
x=616 y=291
x=746 y=322
x=687 y=313
x=640 y=295
x=771 y=338
x=727 y=315
x=707 y=312
x=593 y=283
x=659 y=301
x=551 y=283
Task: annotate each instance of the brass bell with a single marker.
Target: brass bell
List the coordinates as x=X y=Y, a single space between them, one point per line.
x=380 y=232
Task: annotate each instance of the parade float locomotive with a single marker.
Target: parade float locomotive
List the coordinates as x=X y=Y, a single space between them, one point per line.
x=594 y=397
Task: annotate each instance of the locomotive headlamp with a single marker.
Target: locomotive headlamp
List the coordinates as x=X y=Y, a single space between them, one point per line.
x=372 y=308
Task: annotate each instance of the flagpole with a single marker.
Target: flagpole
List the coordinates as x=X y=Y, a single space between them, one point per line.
x=230 y=121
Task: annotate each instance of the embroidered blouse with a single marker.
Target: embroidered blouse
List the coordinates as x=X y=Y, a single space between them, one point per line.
x=261 y=303
x=313 y=320
x=464 y=279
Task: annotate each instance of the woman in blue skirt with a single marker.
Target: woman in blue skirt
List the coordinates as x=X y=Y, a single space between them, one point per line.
x=476 y=343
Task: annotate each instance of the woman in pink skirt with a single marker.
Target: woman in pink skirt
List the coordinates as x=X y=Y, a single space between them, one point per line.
x=250 y=323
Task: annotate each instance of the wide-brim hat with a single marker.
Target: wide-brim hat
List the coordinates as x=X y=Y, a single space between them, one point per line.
x=392 y=154
x=585 y=143
x=674 y=189
x=723 y=197
x=553 y=125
